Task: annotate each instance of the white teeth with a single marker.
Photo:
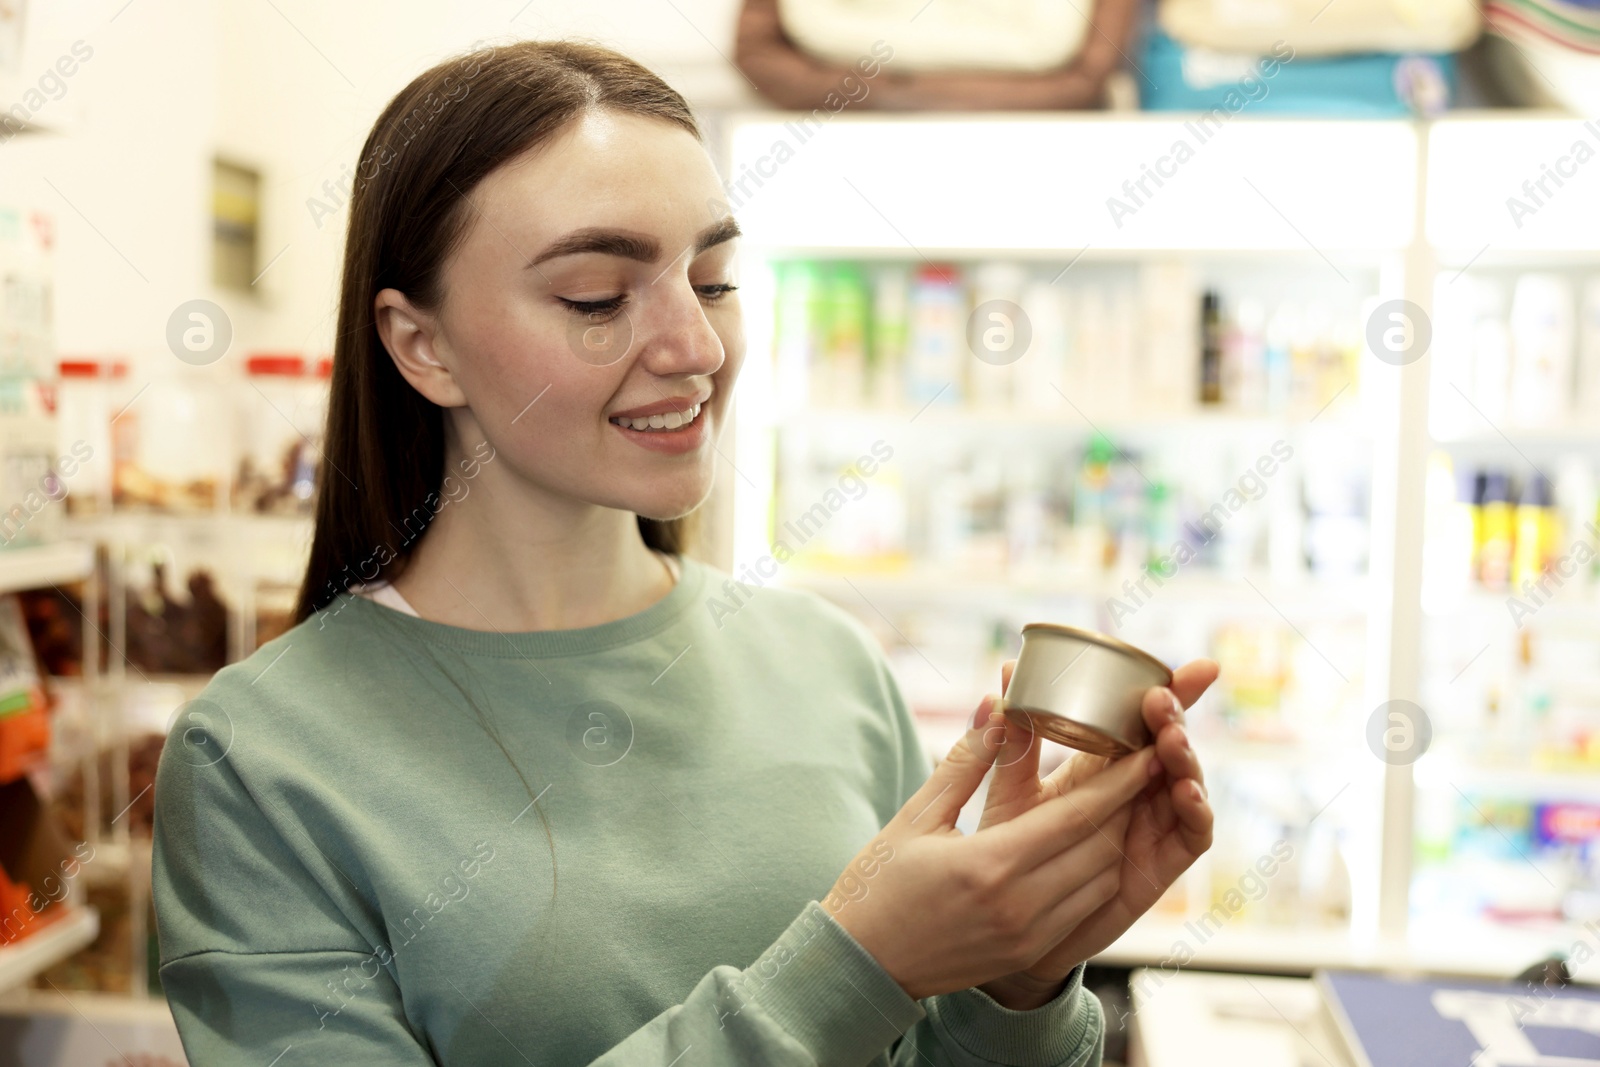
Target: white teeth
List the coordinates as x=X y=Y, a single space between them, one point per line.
x=672 y=420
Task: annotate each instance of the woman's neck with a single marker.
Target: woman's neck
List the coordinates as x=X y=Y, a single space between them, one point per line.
x=498 y=558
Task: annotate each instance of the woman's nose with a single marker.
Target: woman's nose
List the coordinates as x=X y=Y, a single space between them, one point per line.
x=674 y=335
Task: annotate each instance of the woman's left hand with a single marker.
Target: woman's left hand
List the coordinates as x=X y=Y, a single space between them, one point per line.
x=1168 y=826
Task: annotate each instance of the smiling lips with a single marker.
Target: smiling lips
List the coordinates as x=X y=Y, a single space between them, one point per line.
x=673 y=427
x=667 y=421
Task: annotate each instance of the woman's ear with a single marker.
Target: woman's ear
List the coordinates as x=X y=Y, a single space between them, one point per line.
x=412 y=339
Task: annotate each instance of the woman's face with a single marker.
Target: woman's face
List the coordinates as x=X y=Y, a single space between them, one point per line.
x=593 y=289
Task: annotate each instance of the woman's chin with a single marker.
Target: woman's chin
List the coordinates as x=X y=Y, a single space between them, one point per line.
x=664 y=507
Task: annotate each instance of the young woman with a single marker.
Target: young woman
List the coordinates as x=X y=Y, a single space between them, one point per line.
x=509 y=792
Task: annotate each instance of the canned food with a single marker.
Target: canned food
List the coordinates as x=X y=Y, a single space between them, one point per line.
x=1082 y=689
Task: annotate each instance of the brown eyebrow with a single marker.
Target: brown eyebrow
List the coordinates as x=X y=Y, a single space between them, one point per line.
x=630 y=246
x=605 y=242
x=725 y=229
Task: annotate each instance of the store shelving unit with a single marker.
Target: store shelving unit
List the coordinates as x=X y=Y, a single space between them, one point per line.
x=1471 y=644
x=35 y=567
x=1394 y=202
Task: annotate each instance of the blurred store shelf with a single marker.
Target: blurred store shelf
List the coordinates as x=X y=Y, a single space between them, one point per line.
x=1474 y=949
x=1193 y=586
x=26 y=957
x=37 y=566
x=1569 y=433
x=956 y=417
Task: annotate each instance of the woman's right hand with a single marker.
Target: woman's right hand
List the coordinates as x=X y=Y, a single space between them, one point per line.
x=941 y=910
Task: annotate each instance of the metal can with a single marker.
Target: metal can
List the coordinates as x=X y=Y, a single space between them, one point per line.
x=1082 y=689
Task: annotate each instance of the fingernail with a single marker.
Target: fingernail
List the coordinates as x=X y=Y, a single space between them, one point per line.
x=1183 y=736
x=1177 y=706
x=1197 y=790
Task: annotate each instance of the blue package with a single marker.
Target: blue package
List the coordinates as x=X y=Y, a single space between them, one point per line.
x=1405 y=1022
x=1368 y=85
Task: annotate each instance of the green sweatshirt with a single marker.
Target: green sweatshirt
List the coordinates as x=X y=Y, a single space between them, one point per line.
x=385 y=840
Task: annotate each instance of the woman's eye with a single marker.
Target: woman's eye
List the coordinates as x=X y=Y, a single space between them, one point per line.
x=596 y=309
x=715 y=292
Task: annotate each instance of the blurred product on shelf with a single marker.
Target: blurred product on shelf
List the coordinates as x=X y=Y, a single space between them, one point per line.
x=1546 y=52
x=90 y=394
x=1516 y=533
x=963 y=35
x=264 y=425
x=1542 y=341
x=71 y=803
x=1275 y=865
x=1533 y=706
x=997 y=336
x=106 y=965
x=156 y=466
x=1515 y=350
x=1065 y=508
x=171 y=636
x=27 y=312
x=24 y=720
x=37 y=866
x=33 y=476
x=1280 y=79
x=1317 y=28
x=933 y=345
x=1511 y=856
x=55 y=625
x=56 y=622
x=281 y=423
x=1275 y=689
x=970 y=55
x=1210 y=348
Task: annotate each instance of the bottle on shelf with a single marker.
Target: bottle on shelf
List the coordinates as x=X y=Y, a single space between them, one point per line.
x=1149 y=343
x=891 y=299
x=1211 y=348
x=282 y=407
x=1543 y=335
x=1091 y=547
x=845 y=311
x=1588 y=341
x=1042 y=372
x=89 y=396
x=1496 y=532
x=1537 y=531
x=937 y=342
x=989 y=384
x=157 y=467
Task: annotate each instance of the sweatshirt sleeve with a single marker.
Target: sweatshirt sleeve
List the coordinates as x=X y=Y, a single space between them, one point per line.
x=260 y=958
x=257 y=958
x=968 y=1028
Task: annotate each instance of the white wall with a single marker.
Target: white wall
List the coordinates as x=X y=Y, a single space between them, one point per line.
x=127 y=179
x=297 y=100
x=289 y=86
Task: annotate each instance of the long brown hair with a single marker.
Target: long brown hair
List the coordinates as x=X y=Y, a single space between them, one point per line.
x=438 y=138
